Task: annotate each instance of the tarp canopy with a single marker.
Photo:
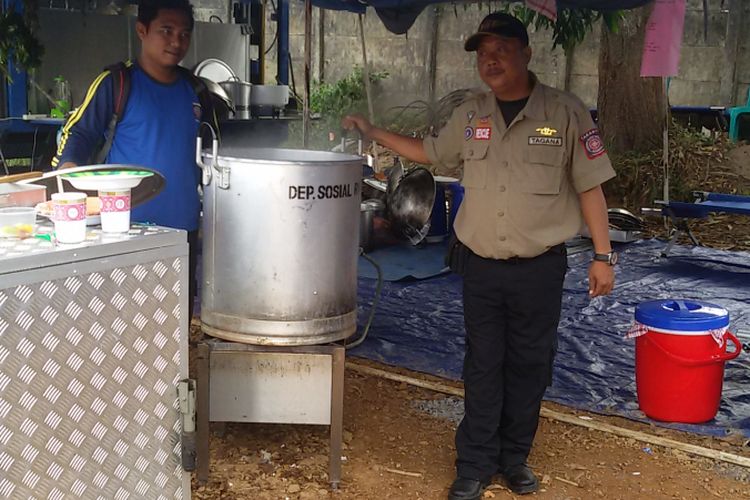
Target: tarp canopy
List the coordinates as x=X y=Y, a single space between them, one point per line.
x=399 y=15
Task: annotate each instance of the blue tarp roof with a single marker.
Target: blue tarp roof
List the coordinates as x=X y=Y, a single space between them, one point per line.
x=399 y=15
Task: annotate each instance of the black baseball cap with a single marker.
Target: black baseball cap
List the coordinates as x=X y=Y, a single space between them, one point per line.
x=499 y=24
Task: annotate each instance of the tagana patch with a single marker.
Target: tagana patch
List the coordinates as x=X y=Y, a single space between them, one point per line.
x=535 y=140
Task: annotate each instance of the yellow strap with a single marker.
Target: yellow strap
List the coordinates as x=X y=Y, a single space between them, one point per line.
x=76 y=116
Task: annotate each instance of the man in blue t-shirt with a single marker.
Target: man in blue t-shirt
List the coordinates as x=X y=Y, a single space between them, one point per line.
x=159 y=124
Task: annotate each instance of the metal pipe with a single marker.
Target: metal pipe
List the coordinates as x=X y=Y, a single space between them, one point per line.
x=282 y=58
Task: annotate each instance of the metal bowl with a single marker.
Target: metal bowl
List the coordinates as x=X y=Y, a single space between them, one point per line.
x=410 y=204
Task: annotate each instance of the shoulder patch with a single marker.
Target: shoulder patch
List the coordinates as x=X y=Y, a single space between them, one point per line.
x=592 y=144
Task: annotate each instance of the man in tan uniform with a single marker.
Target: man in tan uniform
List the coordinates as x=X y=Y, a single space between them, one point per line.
x=531 y=161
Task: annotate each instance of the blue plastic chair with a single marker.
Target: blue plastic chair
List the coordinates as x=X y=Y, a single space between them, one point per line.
x=734 y=114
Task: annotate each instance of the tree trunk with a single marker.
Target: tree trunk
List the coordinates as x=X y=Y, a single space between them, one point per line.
x=631 y=109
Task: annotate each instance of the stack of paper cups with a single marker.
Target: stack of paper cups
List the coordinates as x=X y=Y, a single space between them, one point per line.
x=69 y=217
x=115 y=212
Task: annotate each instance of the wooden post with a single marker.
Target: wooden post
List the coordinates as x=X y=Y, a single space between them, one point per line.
x=432 y=47
x=365 y=66
x=321 y=45
x=665 y=139
x=308 y=60
x=730 y=70
x=368 y=89
x=567 y=68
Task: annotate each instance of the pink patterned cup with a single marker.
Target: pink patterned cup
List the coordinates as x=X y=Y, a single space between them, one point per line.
x=69 y=216
x=115 y=211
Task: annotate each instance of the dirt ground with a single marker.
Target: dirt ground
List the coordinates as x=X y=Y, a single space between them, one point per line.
x=398 y=440
x=398 y=444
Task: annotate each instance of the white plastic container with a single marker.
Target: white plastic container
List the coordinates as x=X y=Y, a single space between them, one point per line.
x=17 y=222
x=69 y=216
x=115 y=210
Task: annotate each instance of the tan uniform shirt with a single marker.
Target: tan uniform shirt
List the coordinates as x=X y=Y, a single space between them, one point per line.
x=521 y=182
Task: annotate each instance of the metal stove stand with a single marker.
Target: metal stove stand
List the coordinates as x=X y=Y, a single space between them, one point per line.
x=270 y=384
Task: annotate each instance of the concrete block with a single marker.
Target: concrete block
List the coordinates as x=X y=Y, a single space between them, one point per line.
x=459 y=24
x=585 y=57
x=743 y=70
x=684 y=92
x=701 y=64
x=693 y=34
x=586 y=87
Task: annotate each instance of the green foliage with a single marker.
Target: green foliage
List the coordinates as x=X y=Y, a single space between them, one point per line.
x=17 y=41
x=329 y=102
x=572 y=24
x=696 y=163
x=344 y=96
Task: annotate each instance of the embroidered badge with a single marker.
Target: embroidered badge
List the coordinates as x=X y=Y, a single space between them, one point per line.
x=546 y=131
x=468 y=133
x=484 y=120
x=535 y=140
x=470 y=115
x=482 y=133
x=197 y=110
x=592 y=144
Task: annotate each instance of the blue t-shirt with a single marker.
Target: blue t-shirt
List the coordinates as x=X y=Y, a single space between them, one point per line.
x=158 y=130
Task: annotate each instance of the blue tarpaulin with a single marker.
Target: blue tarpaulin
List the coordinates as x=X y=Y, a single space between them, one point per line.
x=419 y=326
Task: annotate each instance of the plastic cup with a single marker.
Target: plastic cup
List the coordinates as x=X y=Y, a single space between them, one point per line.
x=69 y=217
x=115 y=210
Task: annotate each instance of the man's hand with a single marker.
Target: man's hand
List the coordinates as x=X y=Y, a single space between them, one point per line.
x=359 y=122
x=410 y=148
x=601 y=278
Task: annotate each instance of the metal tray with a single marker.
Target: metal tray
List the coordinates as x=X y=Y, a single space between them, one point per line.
x=21 y=195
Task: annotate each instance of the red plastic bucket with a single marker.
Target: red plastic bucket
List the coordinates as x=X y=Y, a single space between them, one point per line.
x=679 y=366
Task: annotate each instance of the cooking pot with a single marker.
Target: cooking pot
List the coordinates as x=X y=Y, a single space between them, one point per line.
x=276 y=96
x=368 y=210
x=241 y=94
x=223 y=105
x=280 y=245
x=409 y=202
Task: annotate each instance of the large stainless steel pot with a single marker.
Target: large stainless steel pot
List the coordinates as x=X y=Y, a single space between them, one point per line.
x=280 y=245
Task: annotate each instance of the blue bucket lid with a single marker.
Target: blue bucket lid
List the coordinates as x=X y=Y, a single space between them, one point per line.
x=681 y=315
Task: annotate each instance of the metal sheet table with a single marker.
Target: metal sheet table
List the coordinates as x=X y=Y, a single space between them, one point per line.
x=93 y=344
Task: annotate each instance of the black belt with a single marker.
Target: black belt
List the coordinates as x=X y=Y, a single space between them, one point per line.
x=555 y=250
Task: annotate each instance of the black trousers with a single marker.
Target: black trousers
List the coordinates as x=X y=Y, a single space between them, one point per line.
x=511 y=311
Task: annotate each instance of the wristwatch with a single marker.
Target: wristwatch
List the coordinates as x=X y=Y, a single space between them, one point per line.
x=610 y=258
